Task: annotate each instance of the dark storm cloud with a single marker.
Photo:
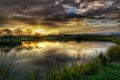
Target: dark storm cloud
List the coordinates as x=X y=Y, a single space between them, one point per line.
x=33 y=11
x=34 y=8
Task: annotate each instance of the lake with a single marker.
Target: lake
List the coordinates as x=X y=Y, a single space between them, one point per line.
x=40 y=55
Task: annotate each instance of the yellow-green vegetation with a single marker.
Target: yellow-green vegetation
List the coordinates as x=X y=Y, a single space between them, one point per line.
x=117 y=41
x=9 y=69
x=74 y=72
x=114 y=53
x=32 y=76
x=87 y=72
x=7 y=66
x=101 y=68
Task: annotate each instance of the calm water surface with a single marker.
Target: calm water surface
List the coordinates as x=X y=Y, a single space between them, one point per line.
x=38 y=55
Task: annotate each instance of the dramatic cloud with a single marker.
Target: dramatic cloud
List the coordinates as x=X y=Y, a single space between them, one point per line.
x=54 y=14
x=59 y=9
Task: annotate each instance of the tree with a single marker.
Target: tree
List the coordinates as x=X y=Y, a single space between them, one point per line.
x=28 y=32
x=18 y=32
x=1 y=32
x=7 y=31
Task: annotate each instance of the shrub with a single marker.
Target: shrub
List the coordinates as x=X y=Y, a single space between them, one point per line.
x=114 y=53
x=91 y=67
x=64 y=73
x=103 y=59
x=32 y=76
x=74 y=72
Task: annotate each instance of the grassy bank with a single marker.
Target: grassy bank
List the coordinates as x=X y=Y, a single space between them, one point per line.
x=104 y=67
x=87 y=72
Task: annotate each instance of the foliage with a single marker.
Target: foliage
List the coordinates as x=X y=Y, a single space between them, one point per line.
x=74 y=72
x=32 y=76
x=103 y=59
x=9 y=67
x=91 y=67
x=113 y=53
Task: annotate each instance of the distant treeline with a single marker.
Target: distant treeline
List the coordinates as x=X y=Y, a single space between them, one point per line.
x=64 y=37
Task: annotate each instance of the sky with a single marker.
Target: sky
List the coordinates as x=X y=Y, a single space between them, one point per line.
x=61 y=16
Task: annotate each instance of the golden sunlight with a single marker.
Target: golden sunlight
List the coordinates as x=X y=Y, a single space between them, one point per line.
x=40 y=31
x=41 y=45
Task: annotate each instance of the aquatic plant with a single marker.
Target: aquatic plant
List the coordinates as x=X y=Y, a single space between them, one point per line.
x=10 y=68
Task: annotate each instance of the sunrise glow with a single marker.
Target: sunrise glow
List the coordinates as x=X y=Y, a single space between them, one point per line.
x=41 y=45
x=40 y=31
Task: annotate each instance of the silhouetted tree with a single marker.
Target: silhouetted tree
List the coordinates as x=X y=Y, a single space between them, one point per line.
x=1 y=32
x=7 y=31
x=18 y=32
x=28 y=32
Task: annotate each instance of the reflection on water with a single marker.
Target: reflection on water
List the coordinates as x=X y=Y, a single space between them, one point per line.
x=49 y=54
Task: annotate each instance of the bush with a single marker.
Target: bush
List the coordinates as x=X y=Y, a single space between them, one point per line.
x=32 y=76
x=75 y=72
x=103 y=59
x=91 y=67
x=64 y=73
x=114 y=53
x=116 y=41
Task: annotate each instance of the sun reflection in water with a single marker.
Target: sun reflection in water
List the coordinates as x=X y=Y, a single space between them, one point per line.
x=41 y=45
x=71 y=49
x=36 y=44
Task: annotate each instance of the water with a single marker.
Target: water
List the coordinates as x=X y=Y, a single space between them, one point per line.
x=39 y=55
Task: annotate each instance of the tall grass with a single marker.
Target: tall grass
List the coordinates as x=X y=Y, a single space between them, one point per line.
x=113 y=53
x=7 y=66
x=90 y=69
x=74 y=72
x=103 y=59
x=10 y=69
x=32 y=76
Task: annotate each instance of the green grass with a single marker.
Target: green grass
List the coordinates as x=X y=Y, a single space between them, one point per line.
x=109 y=72
x=104 y=67
x=32 y=76
x=117 y=41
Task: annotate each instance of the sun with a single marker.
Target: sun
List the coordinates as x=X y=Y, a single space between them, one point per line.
x=39 y=31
